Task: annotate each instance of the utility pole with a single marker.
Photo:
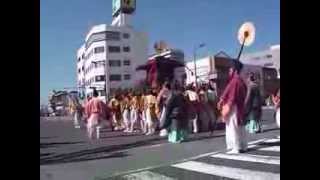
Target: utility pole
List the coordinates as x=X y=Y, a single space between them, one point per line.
x=194 y=61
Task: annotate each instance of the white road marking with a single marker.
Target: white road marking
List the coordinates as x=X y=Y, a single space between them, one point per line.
x=253 y=143
x=147 y=175
x=272 y=140
x=152 y=146
x=234 y=173
x=257 y=141
x=272 y=148
x=250 y=158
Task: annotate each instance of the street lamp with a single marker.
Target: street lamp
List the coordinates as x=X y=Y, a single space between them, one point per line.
x=104 y=63
x=194 y=60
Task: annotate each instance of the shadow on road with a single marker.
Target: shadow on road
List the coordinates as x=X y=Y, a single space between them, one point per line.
x=45 y=154
x=267 y=130
x=96 y=153
x=85 y=158
x=121 y=135
x=56 y=144
x=203 y=137
x=99 y=153
x=269 y=144
x=48 y=137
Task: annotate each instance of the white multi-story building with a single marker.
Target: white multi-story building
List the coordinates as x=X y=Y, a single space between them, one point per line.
x=268 y=58
x=113 y=51
x=205 y=68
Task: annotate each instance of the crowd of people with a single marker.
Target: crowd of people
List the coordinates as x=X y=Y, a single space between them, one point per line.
x=176 y=111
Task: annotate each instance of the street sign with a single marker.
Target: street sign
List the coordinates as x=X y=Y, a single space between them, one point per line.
x=115 y=6
x=213 y=76
x=124 y=6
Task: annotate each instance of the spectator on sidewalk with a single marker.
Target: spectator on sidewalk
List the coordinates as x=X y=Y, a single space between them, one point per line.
x=232 y=109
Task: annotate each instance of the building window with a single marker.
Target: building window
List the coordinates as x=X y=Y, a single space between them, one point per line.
x=79 y=59
x=126 y=62
x=126 y=49
x=113 y=90
x=79 y=70
x=126 y=35
x=102 y=93
x=269 y=56
x=115 y=77
x=99 y=49
x=102 y=64
x=114 y=49
x=114 y=63
x=127 y=77
x=101 y=36
x=112 y=35
x=100 y=78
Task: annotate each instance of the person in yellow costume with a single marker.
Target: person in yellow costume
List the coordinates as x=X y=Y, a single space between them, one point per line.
x=125 y=110
x=75 y=110
x=114 y=104
x=142 y=112
x=151 y=116
x=134 y=110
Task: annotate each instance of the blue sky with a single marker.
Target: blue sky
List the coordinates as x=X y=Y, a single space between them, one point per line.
x=181 y=23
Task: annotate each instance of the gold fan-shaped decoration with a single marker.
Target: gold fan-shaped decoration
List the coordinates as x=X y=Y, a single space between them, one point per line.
x=246 y=33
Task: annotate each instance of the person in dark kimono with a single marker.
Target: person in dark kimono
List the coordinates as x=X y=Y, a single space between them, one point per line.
x=253 y=105
x=193 y=108
x=212 y=100
x=176 y=120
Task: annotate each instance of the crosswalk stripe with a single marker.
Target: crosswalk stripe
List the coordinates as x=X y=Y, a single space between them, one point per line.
x=250 y=158
x=272 y=148
x=147 y=175
x=273 y=140
x=234 y=173
x=257 y=141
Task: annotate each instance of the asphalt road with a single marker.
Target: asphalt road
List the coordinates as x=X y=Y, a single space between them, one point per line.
x=66 y=153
